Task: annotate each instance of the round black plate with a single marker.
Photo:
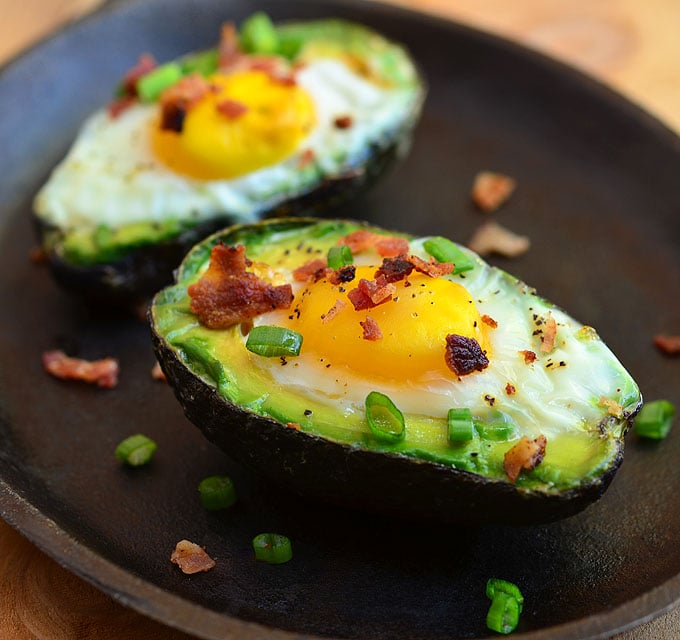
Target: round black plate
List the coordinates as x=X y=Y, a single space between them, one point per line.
x=598 y=194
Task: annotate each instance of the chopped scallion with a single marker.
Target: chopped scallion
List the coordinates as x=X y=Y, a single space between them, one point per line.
x=202 y=62
x=385 y=421
x=339 y=257
x=151 y=85
x=258 y=34
x=272 y=547
x=443 y=250
x=136 y=450
x=655 y=419
x=503 y=614
x=461 y=427
x=216 y=493
x=494 y=586
x=271 y=341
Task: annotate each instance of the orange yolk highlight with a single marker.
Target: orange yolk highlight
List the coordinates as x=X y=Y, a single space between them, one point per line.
x=414 y=326
x=212 y=146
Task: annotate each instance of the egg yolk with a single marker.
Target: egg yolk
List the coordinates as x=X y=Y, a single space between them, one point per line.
x=271 y=121
x=414 y=326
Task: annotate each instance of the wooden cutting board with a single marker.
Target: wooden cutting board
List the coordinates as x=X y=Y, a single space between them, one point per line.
x=631 y=45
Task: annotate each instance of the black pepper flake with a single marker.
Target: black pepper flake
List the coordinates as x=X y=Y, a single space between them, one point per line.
x=550 y=364
x=286 y=252
x=284 y=362
x=490 y=400
x=310 y=249
x=308 y=412
x=474 y=454
x=538 y=332
x=328 y=365
x=563 y=363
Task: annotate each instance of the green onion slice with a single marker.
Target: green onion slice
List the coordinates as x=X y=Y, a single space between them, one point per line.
x=461 y=426
x=202 y=62
x=503 y=613
x=272 y=547
x=136 y=450
x=151 y=85
x=443 y=250
x=655 y=419
x=385 y=421
x=258 y=34
x=339 y=257
x=270 y=341
x=217 y=493
x=495 y=586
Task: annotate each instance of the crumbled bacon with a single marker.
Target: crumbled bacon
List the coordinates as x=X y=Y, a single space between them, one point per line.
x=228 y=51
x=333 y=311
x=386 y=246
x=390 y=246
x=371 y=293
x=464 y=355
x=526 y=454
x=343 y=122
x=176 y=100
x=529 y=356
x=488 y=320
x=613 y=407
x=231 y=109
x=343 y=275
x=510 y=389
x=358 y=241
x=670 y=345
x=294 y=425
x=227 y=294
x=371 y=329
x=548 y=336
x=144 y=65
x=395 y=269
x=103 y=373
x=306 y=158
x=191 y=558
x=119 y=105
x=38 y=255
x=310 y=271
x=490 y=190
x=493 y=238
x=157 y=373
x=431 y=268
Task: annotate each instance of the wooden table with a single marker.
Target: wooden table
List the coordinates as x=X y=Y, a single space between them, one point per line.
x=631 y=45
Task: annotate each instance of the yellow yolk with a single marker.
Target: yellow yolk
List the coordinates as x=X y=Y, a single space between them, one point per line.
x=212 y=145
x=414 y=326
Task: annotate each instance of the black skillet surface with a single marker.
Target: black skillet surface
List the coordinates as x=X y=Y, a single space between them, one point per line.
x=599 y=196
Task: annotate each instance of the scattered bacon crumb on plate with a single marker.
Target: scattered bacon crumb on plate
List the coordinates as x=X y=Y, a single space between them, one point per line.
x=103 y=373
x=191 y=558
x=491 y=237
x=670 y=345
x=157 y=373
x=490 y=190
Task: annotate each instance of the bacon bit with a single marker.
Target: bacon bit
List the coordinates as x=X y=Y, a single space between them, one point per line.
x=343 y=275
x=510 y=389
x=432 y=268
x=191 y=558
x=306 y=158
x=526 y=454
x=386 y=246
x=493 y=238
x=343 y=122
x=103 y=373
x=488 y=320
x=157 y=373
x=228 y=51
x=333 y=311
x=310 y=271
x=613 y=407
x=358 y=241
x=390 y=246
x=371 y=329
x=293 y=425
x=395 y=269
x=371 y=293
x=490 y=190
x=548 y=336
x=227 y=294
x=231 y=109
x=529 y=356
x=670 y=345
x=119 y=105
x=176 y=100
x=38 y=255
x=144 y=65
x=464 y=355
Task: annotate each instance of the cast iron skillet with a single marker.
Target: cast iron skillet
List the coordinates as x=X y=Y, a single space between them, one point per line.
x=599 y=197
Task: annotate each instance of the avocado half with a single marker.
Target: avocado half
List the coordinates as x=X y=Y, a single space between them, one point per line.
x=313 y=435
x=113 y=237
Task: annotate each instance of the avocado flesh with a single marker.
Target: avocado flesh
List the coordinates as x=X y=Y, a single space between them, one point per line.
x=113 y=261
x=579 y=461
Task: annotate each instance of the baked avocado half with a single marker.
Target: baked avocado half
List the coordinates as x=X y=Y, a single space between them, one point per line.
x=276 y=119
x=391 y=373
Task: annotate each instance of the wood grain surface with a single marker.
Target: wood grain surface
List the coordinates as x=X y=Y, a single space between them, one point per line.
x=629 y=44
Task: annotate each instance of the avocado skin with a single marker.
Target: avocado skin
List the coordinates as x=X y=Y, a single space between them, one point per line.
x=135 y=278
x=347 y=476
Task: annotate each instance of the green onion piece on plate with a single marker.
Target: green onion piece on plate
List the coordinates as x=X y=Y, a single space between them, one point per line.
x=136 y=450
x=503 y=614
x=151 y=85
x=461 y=427
x=270 y=341
x=339 y=257
x=258 y=34
x=217 y=493
x=443 y=250
x=272 y=548
x=494 y=586
x=385 y=421
x=655 y=419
